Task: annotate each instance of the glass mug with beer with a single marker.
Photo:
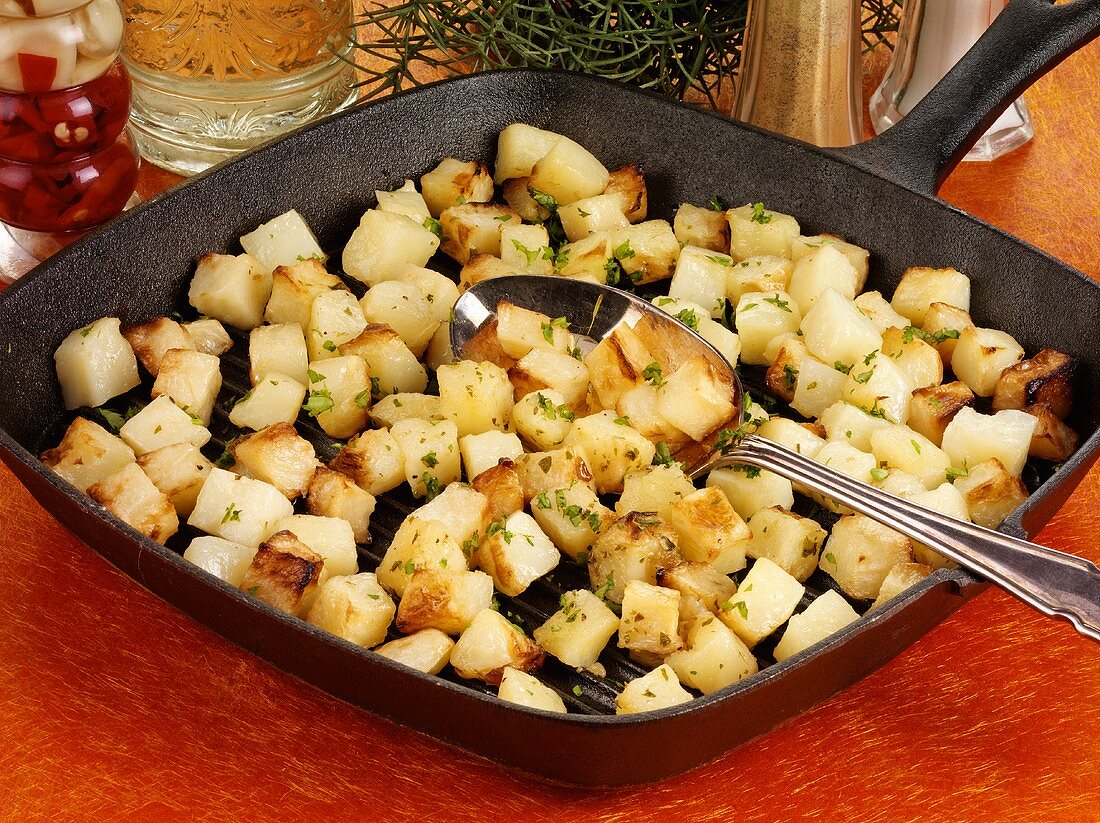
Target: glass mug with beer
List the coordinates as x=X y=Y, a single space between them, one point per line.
x=214 y=77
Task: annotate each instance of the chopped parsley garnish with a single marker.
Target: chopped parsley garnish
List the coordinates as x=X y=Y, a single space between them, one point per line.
x=689 y=319
x=318 y=402
x=716 y=204
x=662 y=456
x=759 y=215
x=329 y=346
x=911 y=333
x=623 y=251
x=546 y=201
x=362 y=400
x=831 y=558
x=314 y=377
x=952 y=473
x=542 y=500
x=653 y=373
x=232 y=514
x=720 y=259
x=790 y=376
x=863 y=377
x=622 y=421
x=431 y=486
x=778 y=302
x=434 y=226
x=751 y=472
x=842 y=367
x=548 y=328
x=531 y=254
x=878 y=475
x=430 y=460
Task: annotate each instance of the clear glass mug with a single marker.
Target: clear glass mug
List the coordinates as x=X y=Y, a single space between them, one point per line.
x=215 y=77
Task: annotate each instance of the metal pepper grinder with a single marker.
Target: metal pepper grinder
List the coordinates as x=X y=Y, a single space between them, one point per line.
x=801 y=73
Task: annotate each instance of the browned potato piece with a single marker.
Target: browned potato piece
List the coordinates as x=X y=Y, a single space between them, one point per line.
x=632 y=548
x=1053 y=439
x=285 y=573
x=332 y=494
x=150 y=341
x=277 y=455
x=87 y=454
x=501 y=484
x=518 y=196
x=471 y=229
x=702 y=227
x=944 y=316
x=991 y=493
x=454 y=182
x=628 y=184
x=373 y=459
x=1045 y=378
x=700 y=580
x=131 y=496
x=552 y=470
x=931 y=409
x=484 y=347
x=782 y=375
x=443 y=599
x=616 y=364
x=483 y=267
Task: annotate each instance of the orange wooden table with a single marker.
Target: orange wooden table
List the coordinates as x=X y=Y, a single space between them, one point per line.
x=115 y=706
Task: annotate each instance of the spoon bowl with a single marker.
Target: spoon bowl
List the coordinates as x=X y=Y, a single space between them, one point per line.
x=1055 y=583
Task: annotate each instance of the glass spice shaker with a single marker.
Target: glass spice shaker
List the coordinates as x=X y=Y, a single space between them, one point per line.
x=932 y=37
x=801 y=72
x=66 y=164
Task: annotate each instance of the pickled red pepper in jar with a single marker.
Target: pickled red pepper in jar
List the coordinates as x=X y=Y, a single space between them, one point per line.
x=65 y=162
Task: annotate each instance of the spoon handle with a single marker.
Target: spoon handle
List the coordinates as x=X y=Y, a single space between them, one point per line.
x=1055 y=583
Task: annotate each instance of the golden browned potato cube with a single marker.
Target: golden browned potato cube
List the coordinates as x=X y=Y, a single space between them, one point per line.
x=432 y=458
x=405 y=200
x=332 y=494
x=697 y=581
x=616 y=365
x=876 y=309
x=944 y=324
x=631 y=548
x=277 y=455
x=972 y=437
x=710 y=530
x=476 y=397
x=628 y=186
x=932 y=408
x=485 y=267
x=209 y=336
x=828 y=614
x=756 y=230
x=518 y=197
x=526 y=690
x=526 y=247
x=639 y=405
x=516 y=552
x=231 y=289
x=653 y=489
x=646 y=252
x=472 y=229
x=860 y=258
x=353 y=607
x=991 y=492
x=546 y=369
x=151 y=340
x=577 y=633
x=192 y=379
x=427 y=651
x=133 y=498
x=390 y=363
x=659 y=689
x=567 y=173
x=790 y=541
x=766 y=598
x=860 y=552
x=454 y=182
x=1046 y=378
x=554 y=469
x=222 y=558
x=280 y=349
x=94 y=364
x=238 y=508
x=330 y=537
x=402 y=405
x=276 y=398
x=782 y=375
x=1053 y=439
x=590 y=259
x=374 y=460
x=611 y=448
x=502 y=488
x=899 y=447
x=715 y=657
x=481 y=452
x=489 y=645
x=898 y=579
x=179 y=471
x=917 y=358
x=87 y=454
x=702 y=227
x=592 y=214
x=285 y=573
x=443 y=599
x=571 y=517
x=339 y=395
x=696 y=398
x=384 y=244
x=294 y=288
x=465 y=513
x=418 y=544
x=519 y=330
x=650 y=621
x=982 y=355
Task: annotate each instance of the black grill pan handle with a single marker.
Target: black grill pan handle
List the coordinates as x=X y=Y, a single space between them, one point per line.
x=1027 y=39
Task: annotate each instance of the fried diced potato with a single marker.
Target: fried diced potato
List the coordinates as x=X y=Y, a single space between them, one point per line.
x=554 y=469
x=818 y=386
x=577 y=633
x=208 y=336
x=179 y=471
x=335 y=495
x=698 y=581
x=640 y=407
x=525 y=690
x=546 y=369
x=991 y=492
x=281 y=349
x=851 y=424
x=696 y=398
x=481 y=452
x=702 y=227
x=402 y=405
x=543 y=419
x=860 y=258
x=192 y=380
x=590 y=259
x=650 y=619
x=790 y=541
x=403 y=307
x=439 y=351
x=405 y=200
x=760 y=317
x=628 y=186
x=477 y=397
x=454 y=182
x=946 y=323
x=151 y=340
x=782 y=375
x=837 y=332
x=878 y=386
x=281 y=241
x=616 y=365
x=898 y=579
x=374 y=460
x=87 y=454
x=294 y=288
x=932 y=408
x=646 y=252
x=846 y=459
x=384 y=243
x=335 y=318
x=231 y=289
x=133 y=498
x=982 y=355
x=418 y=544
x=860 y=552
x=653 y=489
x=465 y=512
x=330 y=537
x=389 y=361
x=427 y=651
x=571 y=517
x=471 y=229
x=700 y=277
x=1053 y=439
x=919 y=288
x=485 y=267
x=972 y=438
x=519 y=147
x=876 y=309
x=750 y=489
x=502 y=486
x=94 y=364
x=516 y=552
x=443 y=599
x=432 y=458
x=755 y=230
x=568 y=172
x=160 y=424
x=285 y=573
x=761 y=273
x=519 y=330
x=899 y=447
x=659 y=689
x=918 y=359
x=828 y=614
x=631 y=548
x=515 y=194
x=592 y=214
x=820 y=270
x=526 y=248
x=439 y=290
x=710 y=530
x=489 y=645
x=1046 y=378
x=766 y=598
x=238 y=508
x=611 y=448
x=355 y=608
x=715 y=657
x=795 y=437
x=224 y=559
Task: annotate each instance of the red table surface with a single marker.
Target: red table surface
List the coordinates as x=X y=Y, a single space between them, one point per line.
x=115 y=706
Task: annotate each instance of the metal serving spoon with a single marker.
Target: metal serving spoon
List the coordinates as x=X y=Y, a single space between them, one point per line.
x=1055 y=583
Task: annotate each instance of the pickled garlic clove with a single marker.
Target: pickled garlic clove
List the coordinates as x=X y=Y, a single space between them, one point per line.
x=101 y=22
